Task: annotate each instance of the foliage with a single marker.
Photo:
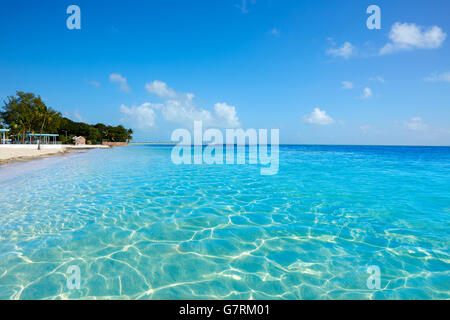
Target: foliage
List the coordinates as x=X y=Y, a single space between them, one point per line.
x=95 y=134
x=25 y=113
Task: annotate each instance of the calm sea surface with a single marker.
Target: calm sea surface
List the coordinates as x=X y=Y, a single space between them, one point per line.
x=138 y=226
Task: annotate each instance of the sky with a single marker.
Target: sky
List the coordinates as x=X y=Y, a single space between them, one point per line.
x=312 y=69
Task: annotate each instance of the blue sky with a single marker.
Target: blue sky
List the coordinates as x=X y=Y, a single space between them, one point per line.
x=310 y=68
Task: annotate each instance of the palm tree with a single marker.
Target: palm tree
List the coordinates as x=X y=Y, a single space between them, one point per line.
x=47 y=114
x=129 y=135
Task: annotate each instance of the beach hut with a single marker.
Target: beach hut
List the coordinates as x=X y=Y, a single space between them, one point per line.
x=3 y=132
x=79 y=140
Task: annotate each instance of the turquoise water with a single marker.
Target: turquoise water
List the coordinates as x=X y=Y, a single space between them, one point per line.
x=138 y=226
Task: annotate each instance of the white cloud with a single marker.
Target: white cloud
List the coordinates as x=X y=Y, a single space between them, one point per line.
x=142 y=116
x=319 y=117
x=160 y=89
x=409 y=36
x=228 y=114
x=438 y=77
x=117 y=78
x=184 y=112
x=367 y=93
x=180 y=108
x=347 y=85
x=345 y=51
x=416 y=124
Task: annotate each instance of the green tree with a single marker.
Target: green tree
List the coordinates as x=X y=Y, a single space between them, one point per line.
x=48 y=117
x=26 y=112
x=129 y=135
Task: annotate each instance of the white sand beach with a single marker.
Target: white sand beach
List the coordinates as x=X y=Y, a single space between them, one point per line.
x=7 y=154
x=13 y=153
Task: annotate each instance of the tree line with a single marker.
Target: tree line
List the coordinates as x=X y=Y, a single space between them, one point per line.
x=27 y=113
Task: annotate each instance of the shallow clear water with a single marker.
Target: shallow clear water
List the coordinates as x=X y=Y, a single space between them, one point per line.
x=138 y=226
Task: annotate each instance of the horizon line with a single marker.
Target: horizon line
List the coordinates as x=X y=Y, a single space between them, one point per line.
x=293 y=144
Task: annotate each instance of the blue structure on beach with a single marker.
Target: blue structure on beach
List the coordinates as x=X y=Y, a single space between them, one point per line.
x=31 y=138
x=4 y=140
x=46 y=138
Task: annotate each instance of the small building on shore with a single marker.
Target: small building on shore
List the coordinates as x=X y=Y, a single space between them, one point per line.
x=79 y=140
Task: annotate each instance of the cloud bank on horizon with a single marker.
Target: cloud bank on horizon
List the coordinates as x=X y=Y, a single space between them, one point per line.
x=178 y=108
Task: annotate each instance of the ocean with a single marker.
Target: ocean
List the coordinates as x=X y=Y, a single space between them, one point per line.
x=335 y=222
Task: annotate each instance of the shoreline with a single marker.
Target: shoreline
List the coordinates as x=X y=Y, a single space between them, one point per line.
x=19 y=154
x=34 y=156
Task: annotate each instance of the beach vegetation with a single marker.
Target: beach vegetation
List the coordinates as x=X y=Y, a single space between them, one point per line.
x=27 y=113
